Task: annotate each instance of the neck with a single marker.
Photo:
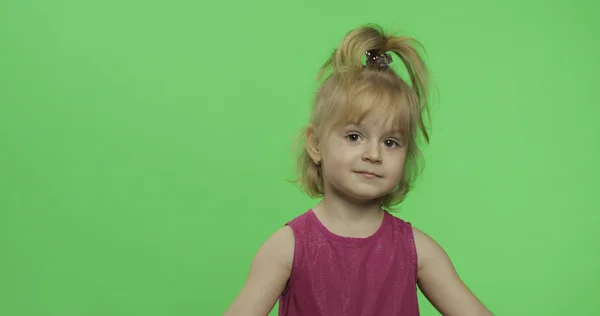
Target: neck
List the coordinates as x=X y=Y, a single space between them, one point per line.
x=346 y=210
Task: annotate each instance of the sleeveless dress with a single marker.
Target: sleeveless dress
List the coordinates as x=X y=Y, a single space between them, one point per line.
x=334 y=275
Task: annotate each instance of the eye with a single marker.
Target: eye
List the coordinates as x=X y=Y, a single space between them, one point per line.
x=391 y=143
x=353 y=137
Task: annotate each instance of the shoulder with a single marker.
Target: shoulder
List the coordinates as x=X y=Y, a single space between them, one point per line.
x=427 y=248
x=420 y=236
x=282 y=244
x=402 y=225
x=269 y=272
x=439 y=281
x=300 y=220
x=279 y=247
x=300 y=225
x=284 y=236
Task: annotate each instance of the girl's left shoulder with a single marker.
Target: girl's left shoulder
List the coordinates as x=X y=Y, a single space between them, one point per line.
x=427 y=247
x=439 y=281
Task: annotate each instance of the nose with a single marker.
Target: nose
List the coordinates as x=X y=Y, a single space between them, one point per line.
x=372 y=153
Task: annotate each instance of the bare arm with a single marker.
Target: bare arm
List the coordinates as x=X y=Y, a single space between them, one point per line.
x=269 y=273
x=441 y=284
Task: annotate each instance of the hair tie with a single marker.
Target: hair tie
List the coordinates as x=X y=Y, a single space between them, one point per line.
x=375 y=59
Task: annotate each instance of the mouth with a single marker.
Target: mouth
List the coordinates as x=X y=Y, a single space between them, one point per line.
x=367 y=174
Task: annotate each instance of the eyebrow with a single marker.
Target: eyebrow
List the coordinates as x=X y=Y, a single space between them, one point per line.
x=395 y=132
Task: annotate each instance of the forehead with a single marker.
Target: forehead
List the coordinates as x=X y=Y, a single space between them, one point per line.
x=389 y=111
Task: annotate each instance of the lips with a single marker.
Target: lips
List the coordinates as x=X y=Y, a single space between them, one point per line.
x=368 y=174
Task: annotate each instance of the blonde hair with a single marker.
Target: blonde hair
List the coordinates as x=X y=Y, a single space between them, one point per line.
x=352 y=91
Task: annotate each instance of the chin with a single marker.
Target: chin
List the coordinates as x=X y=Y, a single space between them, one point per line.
x=361 y=192
x=365 y=195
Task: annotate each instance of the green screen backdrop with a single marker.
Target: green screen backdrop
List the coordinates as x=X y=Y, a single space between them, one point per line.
x=145 y=147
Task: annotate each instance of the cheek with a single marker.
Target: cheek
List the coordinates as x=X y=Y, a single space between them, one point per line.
x=335 y=150
x=338 y=160
x=343 y=156
x=335 y=161
x=396 y=163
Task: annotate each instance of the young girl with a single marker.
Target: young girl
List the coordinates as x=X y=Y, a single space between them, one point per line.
x=348 y=255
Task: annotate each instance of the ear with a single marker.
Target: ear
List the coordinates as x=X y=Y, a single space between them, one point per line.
x=312 y=144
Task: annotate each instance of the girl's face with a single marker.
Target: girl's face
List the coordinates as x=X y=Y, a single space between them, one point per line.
x=363 y=162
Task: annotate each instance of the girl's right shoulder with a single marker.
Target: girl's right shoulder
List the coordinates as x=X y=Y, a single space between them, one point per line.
x=268 y=276
x=279 y=248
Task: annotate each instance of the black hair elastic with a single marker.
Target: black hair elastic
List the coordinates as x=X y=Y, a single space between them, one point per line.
x=375 y=59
